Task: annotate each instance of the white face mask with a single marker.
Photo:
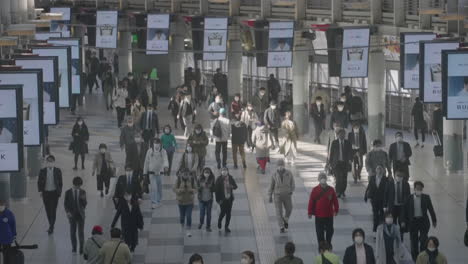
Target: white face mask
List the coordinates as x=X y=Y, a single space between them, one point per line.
x=250 y=108
x=224 y=173
x=102 y=150
x=189 y=149
x=343 y=100
x=157 y=146
x=417 y=192
x=319 y=103
x=431 y=249
x=340 y=109
x=244 y=260
x=356 y=130
x=187 y=99
x=2 y=208
x=389 y=220
x=280 y=168
x=80 y=123
x=359 y=240
x=206 y=174
x=166 y=131
x=323 y=181
x=50 y=164
x=262 y=94
x=273 y=107
x=198 y=131
x=130 y=124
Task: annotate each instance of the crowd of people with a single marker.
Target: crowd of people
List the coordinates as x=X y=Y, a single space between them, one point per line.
x=258 y=126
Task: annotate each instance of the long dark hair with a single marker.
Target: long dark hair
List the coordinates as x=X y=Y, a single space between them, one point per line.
x=211 y=177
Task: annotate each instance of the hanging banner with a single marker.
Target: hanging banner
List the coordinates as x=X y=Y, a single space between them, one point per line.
x=46 y=35
x=355 y=56
x=409 y=58
x=320 y=43
x=157 y=38
x=31 y=81
x=430 y=68
x=76 y=59
x=455 y=83
x=64 y=69
x=62 y=25
x=106 y=29
x=11 y=128
x=49 y=67
x=215 y=39
x=280 y=44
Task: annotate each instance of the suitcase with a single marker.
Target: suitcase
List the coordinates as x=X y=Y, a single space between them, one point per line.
x=14 y=256
x=437 y=149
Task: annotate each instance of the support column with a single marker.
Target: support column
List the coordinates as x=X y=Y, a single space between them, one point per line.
x=336 y=10
x=18 y=184
x=5 y=13
x=204 y=6
x=376 y=96
x=375 y=12
x=14 y=11
x=399 y=13
x=424 y=19
x=33 y=161
x=453 y=145
x=124 y=45
x=176 y=66
x=5 y=187
x=301 y=76
x=300 y=10
x=31 y=9
x=235 y=68
x=265 y=8
x=234 y=7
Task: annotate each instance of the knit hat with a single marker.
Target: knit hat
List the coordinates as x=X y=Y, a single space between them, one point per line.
x=97 y=229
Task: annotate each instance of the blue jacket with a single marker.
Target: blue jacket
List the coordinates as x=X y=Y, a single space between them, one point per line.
x=7 y=227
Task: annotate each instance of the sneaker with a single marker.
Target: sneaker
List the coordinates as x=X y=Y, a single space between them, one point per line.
x=282 y=230
x=219 y=166
x=153 y=206
x=189 y=234
x=244 y=165
x=220 y=225
x=422 y=145
x=102 y=194
x=208 y=229
x=200 y=226
x=263 y=171
x=286 y=225
x=417 y=145
x=227 y=230
x=107 y=192
x=75 y=168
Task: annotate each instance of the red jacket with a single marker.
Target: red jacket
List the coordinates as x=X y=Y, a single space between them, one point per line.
x=327 y=205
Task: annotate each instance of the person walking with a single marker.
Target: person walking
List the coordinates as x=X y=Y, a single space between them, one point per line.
x=388 y=246
x=199 y=140
x=213 y=110
x=174 y=108
x=224 y=187
x=189 y=161
x=274 y=88
x=359 y=252
x=169 y=144
x=115 y=251
x=49 y=185
x=357 y=138
x=339 y=116
x=420 y=125
x=108 y=84
x=415 y=218
x=289 y=147
x=136 y=112
x=128 y=183
x=318 y=114
x=401 y=193
x=128 y=209
x=206 y=188
x=380 y=193
x=185 y=188
x=128 y=141
x=260 y=143
x=156 y=164
x=93 y=72
x=236 y=107
x=272 y=121
x=323 y=204
x=119 y=97
x=220 y=81
x=93 y=246
x=222 y=133
x=187 y=112
x=326 y=256
x=75 y=204
x=7 y=229
x=282 y=187
x=289 y=258
x=431 y=254
x=260 y=102
x=133 y=89
x=377 y=156
x=79 y=145
x=250 y=118
x=355 y=107
x=149 y=124
x=399 y=154
x=238 y=139
x=104 y=168
x=340 y=157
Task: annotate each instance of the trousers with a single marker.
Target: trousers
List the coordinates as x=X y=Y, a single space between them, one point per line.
x=226 y=208
x=76 y=223
x=186 y=215
x=238 y=148
x=103 y=179
x=341 y=176
x=221 y=146
x=205 y=210
x=419 y=227
x=324 y=229
x=283 y=201
x=50 y=200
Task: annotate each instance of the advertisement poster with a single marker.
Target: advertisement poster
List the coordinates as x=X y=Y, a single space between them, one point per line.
x=64 y=69
x=157 y=38
x=11 y=128
x=455 y=84
x=280 y=44
x=391 y=47
x=63 y=25
x=215 y=39
x=106 y=29
x=75 y=44
x=409 y=62
x=47 y=35
x=355 y=57
x=49 y=67
x=430 y=81
x=320 y=43
x=31 y=80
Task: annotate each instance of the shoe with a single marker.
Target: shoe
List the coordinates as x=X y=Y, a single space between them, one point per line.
x=227 y=230
x=263 y=171
x=417 y=145
x=153 y=206
x=286 y=225
x=343 y=194
x=75 y=168
x=200 y=226
x=211 y=139
x=282 y=230
x=189 y=234
x=102 y=194
x=422 y=145
x=50 y=231
x=74 y=251
x=107 y=192
x=244 y=165
x=82 y=167
x=220 y=225
x=208 y=229
x=219 y=166
x=235 y=166
x=81 y=251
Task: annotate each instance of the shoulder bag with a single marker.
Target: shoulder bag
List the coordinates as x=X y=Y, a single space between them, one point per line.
x=115 y=251
x=314 y=202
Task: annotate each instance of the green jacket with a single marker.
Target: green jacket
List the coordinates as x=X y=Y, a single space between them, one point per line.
x=423 y=258
x=334 y=259
x=198 y=143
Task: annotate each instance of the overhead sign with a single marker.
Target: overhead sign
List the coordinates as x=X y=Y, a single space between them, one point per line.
x=280 y=44
x=355 y=56
x=106 y=29
x=455 y=83
x=76 y=59
x=215 y=39
x=62 y=25
x=47 y=35
x=157 y=39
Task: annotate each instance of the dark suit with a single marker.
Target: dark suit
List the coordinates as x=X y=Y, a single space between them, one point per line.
x=418 y=226
x=358 y=153
x=50 y=198
x=319 y=117
x=350 y=256
x=396 y=164
x=122 y=186
x=148 y=134
x=380 y=196
x=394 y=204
x=75 y=205
x=340 y=167
x=131 y=220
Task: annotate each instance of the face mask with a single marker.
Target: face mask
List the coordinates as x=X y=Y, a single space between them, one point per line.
x=356 y=130
x=166 y=131
x=399 y=179
x=150 y=110
x=389 y=221
x=2 y=208
x=145 y=76
x=206 y=174
x=129 y=173
x=218 y=100
x=50 y=164
x=418 y=193
x=323 y=181
x=431 y=249
x=189 y=149
x=319 y=103
x=187 y=99
x=130 y=124
x=359 y=240
x=399 y=139
x=103 y=150
x=262 y=94
x=157 y=146
x=128 y=197
x=340 y=109
x=244 y=260
x=343 y=100
x=273 y=107
x=280 y=168
x=224 y=173
x=198 y=131
x=130 y=78
x=250 y=108
x=80 y=123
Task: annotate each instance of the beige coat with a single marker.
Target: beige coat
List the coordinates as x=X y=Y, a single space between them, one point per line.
x=122 y=255
x=136 y=114
x=291 y=136
x=185 y=191
x=97 y=163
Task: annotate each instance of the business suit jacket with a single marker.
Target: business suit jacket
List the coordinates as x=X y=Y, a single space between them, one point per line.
x=351 y=258
x=335 y=152
x=41 y=182
x=75 y=209
x=362 y=140
x=154 y=121
x=392 y=152
x=219 y=188
x=405 y=192
x=317 y=114
x=381 y=195
x=122 y=186
x=426 y=206
x=132 y=219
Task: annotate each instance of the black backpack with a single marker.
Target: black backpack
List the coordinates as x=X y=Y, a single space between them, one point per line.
x=217 y=130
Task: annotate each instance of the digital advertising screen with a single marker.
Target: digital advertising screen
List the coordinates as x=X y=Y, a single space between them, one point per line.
x=409 y=58
x=106 y=29
x=455 y=83
x=215 y=39
x=280 y=44
x=64 y=70
x=31 y=81
x=49 y=67
x=320 y=43
x=335 y=50
x=430 y=68
x=76 y=59
x=157 y=38
x=47 y=35
x=11 y=128
x=62 y=25
x=355 y=56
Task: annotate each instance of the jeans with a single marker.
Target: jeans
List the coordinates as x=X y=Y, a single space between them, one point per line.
x=188 y=122
x=324 y=229
x=205 y=209
x=76 y=222
x=219 y=146
x=156 y=188
x=186 y=214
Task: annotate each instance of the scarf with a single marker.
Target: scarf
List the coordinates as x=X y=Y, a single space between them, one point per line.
x=390 y=230
x=227 y=187
x=432 y=256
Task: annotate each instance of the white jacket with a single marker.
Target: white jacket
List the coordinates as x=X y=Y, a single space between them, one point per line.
x=155 y=161
x=119 y=96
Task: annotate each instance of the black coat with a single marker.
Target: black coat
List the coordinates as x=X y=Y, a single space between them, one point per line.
x=239 y=133
x=335 y=152
x=319 y=115
x=418 y=115
x=362 y=140
x=341 y=118
x=272 y=118
x=80 y=138
x=381 y=195
x=121 y=187
x=405 y=192
x=132 y=220
x=154 y=121
x=351 y=258
x=274 y=87
x=133 y=90
x=407 y=213
x=144 y=97
x=355 y=105
x=392 y=152
x=41 y=182
x=72 y=207
x=219 y=188
x=174 y=107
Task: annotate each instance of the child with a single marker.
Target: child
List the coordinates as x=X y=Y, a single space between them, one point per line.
x=174 y=108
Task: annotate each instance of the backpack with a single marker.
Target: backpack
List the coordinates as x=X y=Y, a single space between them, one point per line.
x=217 y=130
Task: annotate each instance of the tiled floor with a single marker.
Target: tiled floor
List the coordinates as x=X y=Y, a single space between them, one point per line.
x=254 y=224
